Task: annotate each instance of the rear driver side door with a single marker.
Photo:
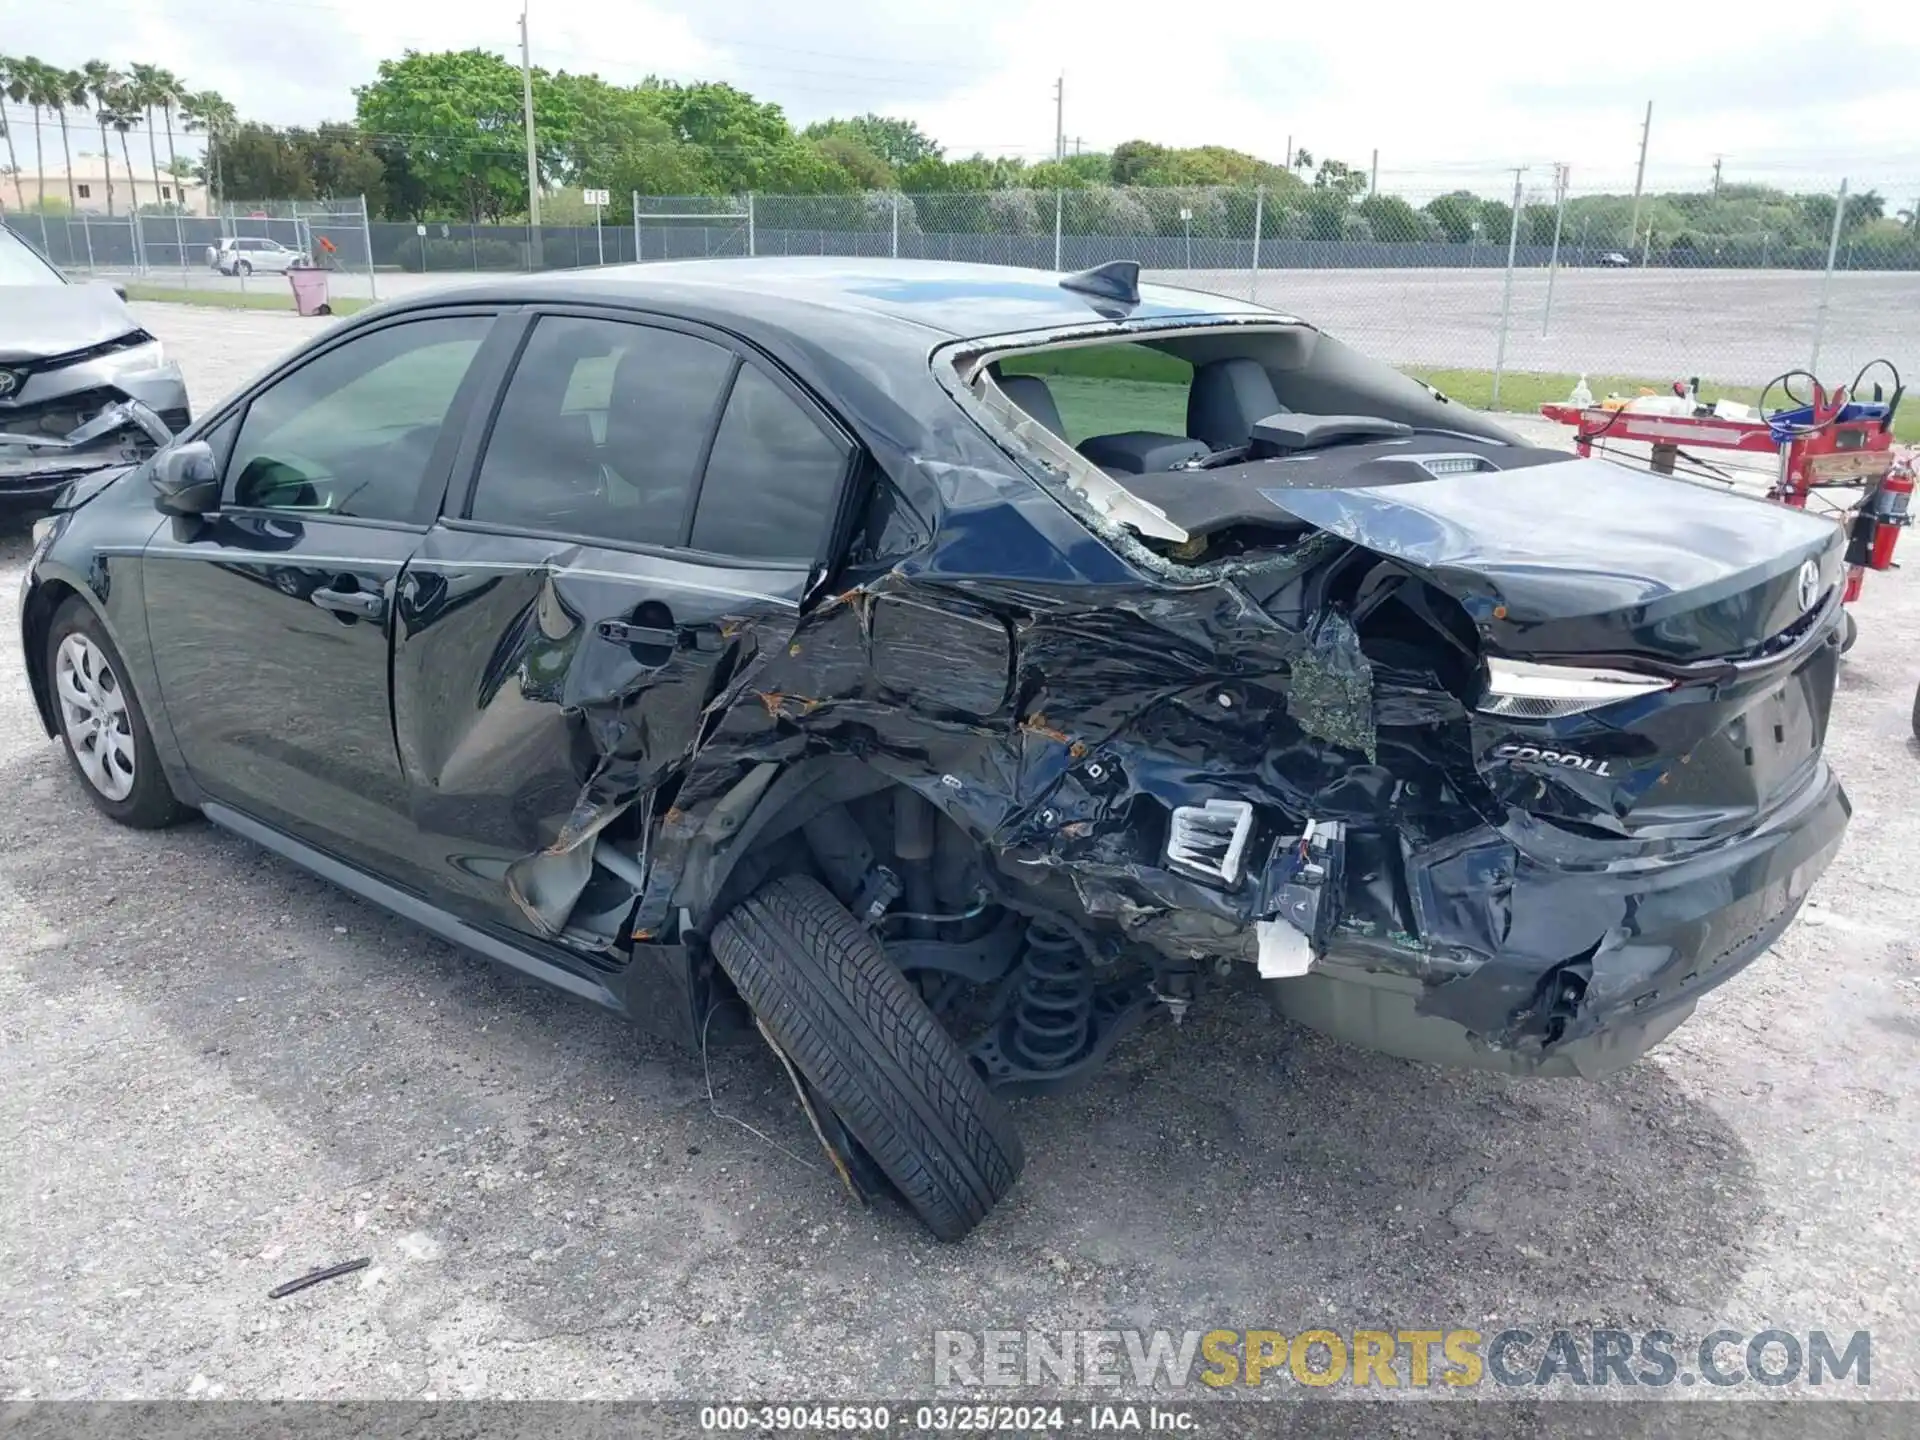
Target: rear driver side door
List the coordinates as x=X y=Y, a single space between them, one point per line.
x=646 y=511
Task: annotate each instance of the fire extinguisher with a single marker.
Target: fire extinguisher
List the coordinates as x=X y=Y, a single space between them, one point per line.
x=1881 y=517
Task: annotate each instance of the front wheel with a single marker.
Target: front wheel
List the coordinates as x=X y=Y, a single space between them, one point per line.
x=1849 y=631
x=106 y=735
x=868 y=1046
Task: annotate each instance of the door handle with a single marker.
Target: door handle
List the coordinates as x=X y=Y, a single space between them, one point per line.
x=363 y=604
x=703 y=638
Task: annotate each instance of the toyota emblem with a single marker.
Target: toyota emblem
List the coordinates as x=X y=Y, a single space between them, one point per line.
x=9 y=382
x=1809 y=585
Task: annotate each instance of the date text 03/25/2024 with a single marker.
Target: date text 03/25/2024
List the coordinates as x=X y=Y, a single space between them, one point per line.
x=963 y=1418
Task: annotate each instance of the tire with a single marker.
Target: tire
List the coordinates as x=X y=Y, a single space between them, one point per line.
x=1916 y=714
x=867 y=1044
x=1849 y=631
x=87 y=678
x=245 y=267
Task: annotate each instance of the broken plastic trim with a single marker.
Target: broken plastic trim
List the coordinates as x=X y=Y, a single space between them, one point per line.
x=123 y=412
x=1108 y=497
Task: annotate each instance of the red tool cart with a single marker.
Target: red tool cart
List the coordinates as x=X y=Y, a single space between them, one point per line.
x=1836 y=456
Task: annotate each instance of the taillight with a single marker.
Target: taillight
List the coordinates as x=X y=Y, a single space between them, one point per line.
x=1525 y=690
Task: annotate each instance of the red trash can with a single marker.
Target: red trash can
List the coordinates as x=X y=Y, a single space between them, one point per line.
x=309 y=284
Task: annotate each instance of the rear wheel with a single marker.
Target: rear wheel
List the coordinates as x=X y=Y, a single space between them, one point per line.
x=107 y=739
x=244 y=267
x=868 y=1046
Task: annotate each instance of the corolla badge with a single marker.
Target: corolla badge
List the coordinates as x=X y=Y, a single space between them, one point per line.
x=1534 y=754
x=1809 y=585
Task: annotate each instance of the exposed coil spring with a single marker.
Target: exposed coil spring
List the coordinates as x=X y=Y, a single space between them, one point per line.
x=1053 y=1006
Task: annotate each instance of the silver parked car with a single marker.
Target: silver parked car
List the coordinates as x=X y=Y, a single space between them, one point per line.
x=244 y=254
x=82 y=386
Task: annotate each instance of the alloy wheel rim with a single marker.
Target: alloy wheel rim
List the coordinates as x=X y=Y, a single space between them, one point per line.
x=93 y=712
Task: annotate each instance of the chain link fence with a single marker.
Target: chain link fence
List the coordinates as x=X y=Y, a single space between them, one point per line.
x=172 y=250
x=1496 y=300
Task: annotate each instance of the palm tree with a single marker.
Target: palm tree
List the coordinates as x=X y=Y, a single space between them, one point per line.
x=70 y=88
x=171 y=92
x=103 y=83
x=120 y=111
x=208 y=110
x=37 y=81
x=145 y=91
x=12 y=87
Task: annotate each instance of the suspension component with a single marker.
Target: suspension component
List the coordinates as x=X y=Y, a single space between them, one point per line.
x=1053 y=1002
x=1055 y=1025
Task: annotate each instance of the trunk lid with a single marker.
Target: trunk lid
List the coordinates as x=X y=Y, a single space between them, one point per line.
x=1735 y=600
x=1588 y=558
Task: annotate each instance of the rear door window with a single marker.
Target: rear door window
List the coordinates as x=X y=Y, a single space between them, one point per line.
x=602 y=431
x=773 y=481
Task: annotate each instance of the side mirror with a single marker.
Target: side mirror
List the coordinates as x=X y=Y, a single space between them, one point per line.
x=120 y=290
x=187 y=480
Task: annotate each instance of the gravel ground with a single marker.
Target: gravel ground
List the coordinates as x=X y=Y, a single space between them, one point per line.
x=217 y=1073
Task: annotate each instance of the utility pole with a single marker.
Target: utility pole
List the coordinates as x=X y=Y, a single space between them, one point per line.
x=1562 y=176
x=1287 y=159
x=533 y=163
x=1506 y=293
x=1060 y=118
x=1826 y=280
x=1640 y=177
x=1373 y=176
x=1716 y=174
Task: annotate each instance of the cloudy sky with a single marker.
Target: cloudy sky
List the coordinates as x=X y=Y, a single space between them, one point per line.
x=1448 y=94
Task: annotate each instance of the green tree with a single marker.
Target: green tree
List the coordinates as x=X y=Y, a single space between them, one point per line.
x=458 y=114
x=1337 y=178
x=341 y=164
x=1455 y=214
x=1393 y=220
x=898 y=143
x=262 y=162
x=1496 y=220
x=865 y=170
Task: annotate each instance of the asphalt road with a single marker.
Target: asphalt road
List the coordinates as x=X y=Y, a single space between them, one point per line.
x=1731 y=326
x=217 y=1074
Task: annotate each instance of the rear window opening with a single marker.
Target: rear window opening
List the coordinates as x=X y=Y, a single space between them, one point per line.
x=1166 y=435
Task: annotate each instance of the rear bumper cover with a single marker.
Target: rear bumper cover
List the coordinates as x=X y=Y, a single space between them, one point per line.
x=1669 y=930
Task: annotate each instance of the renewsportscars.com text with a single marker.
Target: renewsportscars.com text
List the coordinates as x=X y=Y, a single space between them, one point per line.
x=1516 y=1357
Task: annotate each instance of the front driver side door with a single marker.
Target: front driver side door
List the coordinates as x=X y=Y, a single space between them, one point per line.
x=270 y=619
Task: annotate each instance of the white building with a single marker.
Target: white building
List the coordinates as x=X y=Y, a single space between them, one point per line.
x=90 y=185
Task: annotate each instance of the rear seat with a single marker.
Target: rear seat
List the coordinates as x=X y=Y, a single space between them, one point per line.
x=1227 y=398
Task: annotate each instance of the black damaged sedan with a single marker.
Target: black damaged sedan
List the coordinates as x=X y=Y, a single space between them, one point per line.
x=949 y=668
